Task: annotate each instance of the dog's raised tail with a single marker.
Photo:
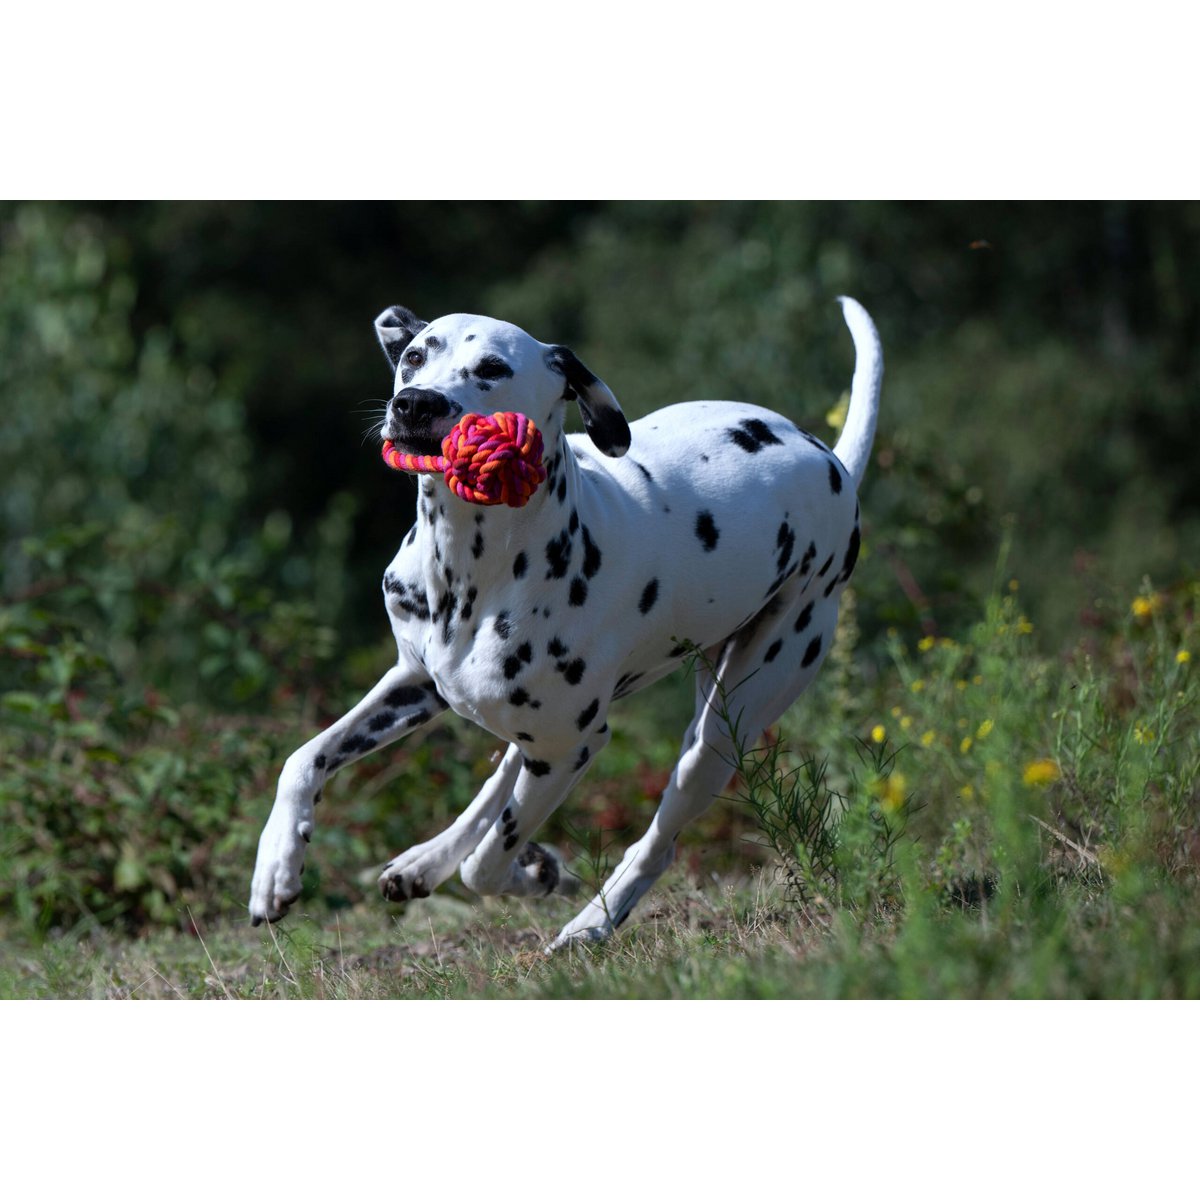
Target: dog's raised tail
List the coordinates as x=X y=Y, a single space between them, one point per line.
x=854 y=446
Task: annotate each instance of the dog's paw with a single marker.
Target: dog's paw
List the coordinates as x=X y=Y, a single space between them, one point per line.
x=539 y=871
x=590 y=927
x=276 y=884
x=399 y=883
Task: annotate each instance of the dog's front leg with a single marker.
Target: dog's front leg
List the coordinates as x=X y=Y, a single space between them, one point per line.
x=420 y=869
x=403 y=699
x=505 y=862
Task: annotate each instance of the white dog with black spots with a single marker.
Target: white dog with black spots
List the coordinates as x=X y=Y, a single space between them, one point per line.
x=715 y=525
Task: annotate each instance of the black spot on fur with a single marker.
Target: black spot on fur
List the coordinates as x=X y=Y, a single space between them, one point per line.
x=835 y=477
x=356 y=744
x=404 y=697
x=588 y=715
x=556 y=649
x=382 y=721
x=752 y=435
x=491 y=367
x=501 y=626
x=477 y=544
x=649 y=596
x=418 y=718
x=522 y=736
x=558 y=555
x=319 y=762
x=510 y=841
x=446 y=609
x=581 y=761
x=707 y=531
x=785 y=542
x=773 y=649
x=512 y=666
x=649 y=477
x=572 y=671
x=591 y=555
x=469 y=607
x=814 y=648
x=520 y=564
x=518 y=697
x=535 y=766
x=828 y=564
x=562 y=490
x=805 y=616
x=851 y=555
x=807 y=560
x=431 y=689
x=579 y=591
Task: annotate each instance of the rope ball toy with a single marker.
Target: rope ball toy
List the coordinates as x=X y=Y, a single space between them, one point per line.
x=484 y=460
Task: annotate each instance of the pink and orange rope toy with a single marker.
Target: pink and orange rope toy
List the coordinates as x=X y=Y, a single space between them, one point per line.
x=484 y=460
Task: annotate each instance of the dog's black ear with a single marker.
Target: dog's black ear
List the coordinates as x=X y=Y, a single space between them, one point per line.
x=396 y=327
x=602 y=415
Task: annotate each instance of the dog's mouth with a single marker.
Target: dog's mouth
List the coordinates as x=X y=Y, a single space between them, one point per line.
x=416 y=444
x=422 y=439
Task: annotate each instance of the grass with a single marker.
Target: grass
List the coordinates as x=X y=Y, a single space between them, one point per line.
x=969 y=818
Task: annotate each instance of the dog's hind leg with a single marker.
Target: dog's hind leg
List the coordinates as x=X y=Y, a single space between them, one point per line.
x=758 y=675
x=403 y=699
x=420 y=869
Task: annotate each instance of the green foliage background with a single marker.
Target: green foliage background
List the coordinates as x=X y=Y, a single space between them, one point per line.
x=193 y=528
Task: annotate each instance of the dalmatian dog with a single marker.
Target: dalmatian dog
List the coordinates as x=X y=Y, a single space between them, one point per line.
x=716 y=525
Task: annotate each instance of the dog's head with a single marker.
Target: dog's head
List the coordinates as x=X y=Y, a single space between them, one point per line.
x=461 y=364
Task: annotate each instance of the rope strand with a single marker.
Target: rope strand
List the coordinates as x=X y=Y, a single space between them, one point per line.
x=484 y=460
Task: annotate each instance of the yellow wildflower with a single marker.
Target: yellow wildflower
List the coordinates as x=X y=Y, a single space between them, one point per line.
x=1143 y=734
x=917 y=685
x=985 y=727
x=1041 y=772
x=896 y=710
x=927 y=737
x=906 y=722
x=926 y=644
x=965 y=745
x=961 y=684
x=1013 y=585
x=878 y=733
x=1024 y=626
x=1183 y=657
x=1146 y=606
x=890 y=791
x=835 y=418
x=967 y=792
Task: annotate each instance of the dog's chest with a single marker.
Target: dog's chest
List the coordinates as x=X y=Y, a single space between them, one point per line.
x=502 y=647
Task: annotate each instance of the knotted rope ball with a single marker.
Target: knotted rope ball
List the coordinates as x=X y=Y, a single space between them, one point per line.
x=484 y=460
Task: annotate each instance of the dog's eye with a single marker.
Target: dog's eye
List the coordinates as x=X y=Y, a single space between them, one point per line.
x=414 y=358
x=492 y=367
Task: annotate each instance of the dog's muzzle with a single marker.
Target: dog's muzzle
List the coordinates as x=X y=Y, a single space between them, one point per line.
x=419 y=418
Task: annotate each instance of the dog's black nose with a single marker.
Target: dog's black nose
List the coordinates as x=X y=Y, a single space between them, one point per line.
x=420 y=405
